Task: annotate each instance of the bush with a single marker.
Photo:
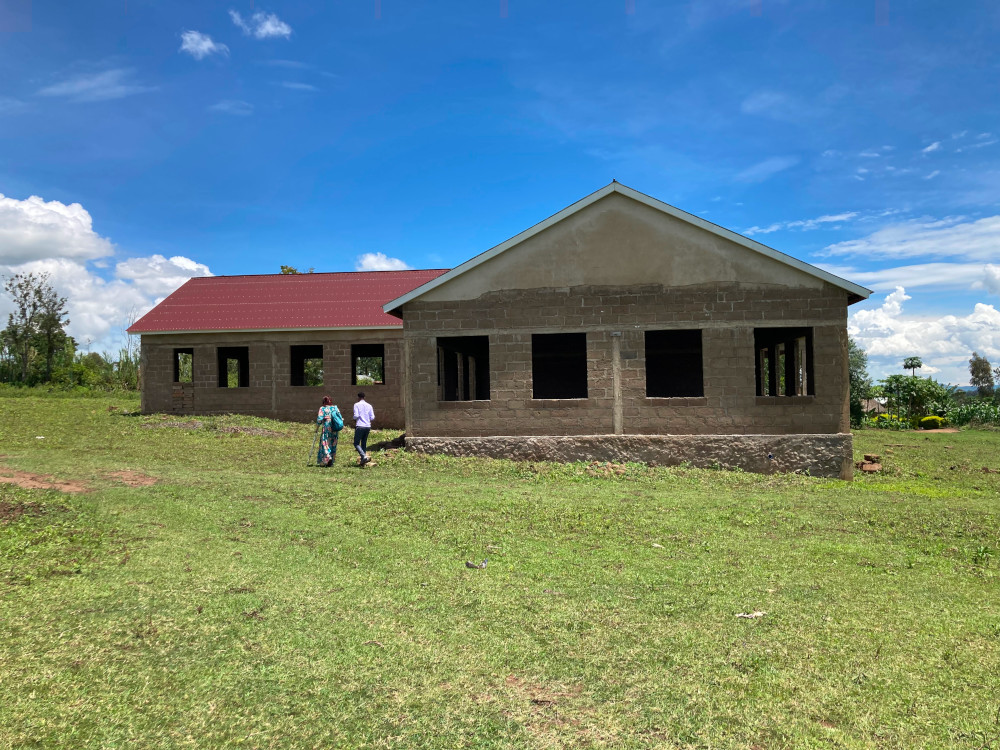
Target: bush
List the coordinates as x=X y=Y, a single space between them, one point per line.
x=887 y=422
x=933 y=423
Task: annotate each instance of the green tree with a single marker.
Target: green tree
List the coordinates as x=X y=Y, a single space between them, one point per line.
x=25 y=290
x=913 y=364
x=980 y=375
x=860 y=381
x=912 y=398
x=52 y=321
x=292 y=270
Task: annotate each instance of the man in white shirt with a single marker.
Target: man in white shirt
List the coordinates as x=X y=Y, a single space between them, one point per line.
x=363 y=417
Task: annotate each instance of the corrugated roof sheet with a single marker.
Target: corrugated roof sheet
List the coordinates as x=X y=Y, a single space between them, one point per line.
x=282 y=301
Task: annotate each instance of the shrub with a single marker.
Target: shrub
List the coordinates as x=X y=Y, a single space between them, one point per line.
x=887 y=422
x=932 y=423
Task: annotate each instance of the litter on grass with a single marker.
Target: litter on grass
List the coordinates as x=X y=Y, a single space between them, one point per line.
x=756 y=615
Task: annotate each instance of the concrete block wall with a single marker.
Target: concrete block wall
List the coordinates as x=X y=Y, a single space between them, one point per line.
x=726 y=313
x=270 y=393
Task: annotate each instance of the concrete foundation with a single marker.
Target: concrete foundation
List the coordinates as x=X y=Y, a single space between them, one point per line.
x=816 y=455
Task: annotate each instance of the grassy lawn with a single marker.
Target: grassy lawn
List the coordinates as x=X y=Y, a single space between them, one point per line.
x=248 y=599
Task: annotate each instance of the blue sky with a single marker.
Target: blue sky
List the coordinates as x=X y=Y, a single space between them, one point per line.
x=231 y=137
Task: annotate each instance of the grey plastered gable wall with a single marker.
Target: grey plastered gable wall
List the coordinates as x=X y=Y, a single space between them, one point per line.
x=615 y=266
x=618 y=241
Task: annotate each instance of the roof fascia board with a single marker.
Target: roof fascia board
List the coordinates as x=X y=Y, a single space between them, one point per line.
x=617 y=187
x=267 y=330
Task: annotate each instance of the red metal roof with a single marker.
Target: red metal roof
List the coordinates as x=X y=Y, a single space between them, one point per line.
x=282 y=301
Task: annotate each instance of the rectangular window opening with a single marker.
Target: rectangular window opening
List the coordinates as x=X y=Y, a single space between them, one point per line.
x=367 y=364
x=463 y=368
x=784 y=361
x=559 y=365
x=674 y=364
x=183 y=365
x=234 y=367
x=306 y=364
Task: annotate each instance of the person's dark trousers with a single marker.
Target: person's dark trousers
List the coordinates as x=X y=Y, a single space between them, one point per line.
x=361 y=440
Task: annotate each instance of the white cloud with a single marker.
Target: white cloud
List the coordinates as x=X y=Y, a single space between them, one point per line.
x=932 y=175
x=157 y=276
x=50 y=237
x=379 y=262
x=991 y=279
x=261 y=25
x=944 y=343
x=31 y=229
x=952 y=237
x=200 y=46
x=870 y=154
x=933 y=147
x=938 y=275
x=232 y=107
x=767 y=168
x=296 y=86
x=804 y=225
x=97 y=87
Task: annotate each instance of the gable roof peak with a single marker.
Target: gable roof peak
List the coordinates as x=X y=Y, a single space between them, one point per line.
x=856 y=293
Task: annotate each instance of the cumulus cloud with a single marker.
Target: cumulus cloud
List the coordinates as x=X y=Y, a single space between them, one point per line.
x=200 y=46
x=932 y=148
x=32 y=229
x=991 y=279
x=946 y=342
x=96 y=87
x=261 y=25
x=232 y=107
x=766 y=169
x=379 y=262
x=49 y=237
x=953 y=237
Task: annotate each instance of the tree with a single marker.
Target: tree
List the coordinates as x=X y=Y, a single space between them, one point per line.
x=980 y=375
x=36 y=325
x=292 y=270
x=52 y=321
x=913 y=364
x=861 y=383
x=22 y=324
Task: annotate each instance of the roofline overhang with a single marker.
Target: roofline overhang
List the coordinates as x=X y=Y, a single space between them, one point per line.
x=855 y=292
x=398 y=327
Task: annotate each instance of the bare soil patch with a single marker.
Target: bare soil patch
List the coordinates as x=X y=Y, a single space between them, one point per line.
x=132 y=478
x=29 y=481
x=13 y=511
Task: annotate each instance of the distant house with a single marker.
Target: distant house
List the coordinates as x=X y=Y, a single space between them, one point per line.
x=620 y=328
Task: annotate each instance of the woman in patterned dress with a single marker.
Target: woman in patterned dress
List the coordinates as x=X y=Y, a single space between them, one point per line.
x=328 y=416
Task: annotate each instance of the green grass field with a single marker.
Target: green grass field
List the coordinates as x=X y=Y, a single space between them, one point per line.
x=247 y=599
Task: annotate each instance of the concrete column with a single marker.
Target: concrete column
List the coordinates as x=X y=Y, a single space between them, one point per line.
x=616 y=382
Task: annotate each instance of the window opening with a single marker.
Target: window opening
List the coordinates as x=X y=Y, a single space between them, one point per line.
x=559 y=365
x=368 y=364
x=784 y=361
x=306 y=365
x=234 y=367
x=183 y=365
x=674 y=364
x=463 y=368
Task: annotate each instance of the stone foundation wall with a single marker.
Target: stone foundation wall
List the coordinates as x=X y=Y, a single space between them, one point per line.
x=817 y=455
x=270 y=393
x=615 y=320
